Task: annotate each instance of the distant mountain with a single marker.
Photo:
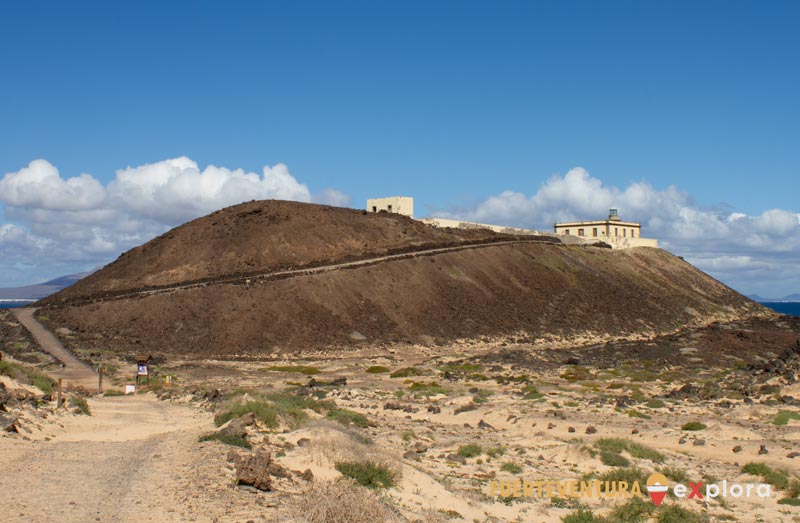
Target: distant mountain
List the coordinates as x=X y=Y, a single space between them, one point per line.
x=41 y=290
x=791 y=297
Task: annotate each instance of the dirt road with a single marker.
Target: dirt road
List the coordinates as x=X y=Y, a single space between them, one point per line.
x=131 y=461
x=74 y=372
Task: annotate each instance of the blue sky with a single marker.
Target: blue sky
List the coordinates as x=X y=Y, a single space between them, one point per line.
x=451 y=102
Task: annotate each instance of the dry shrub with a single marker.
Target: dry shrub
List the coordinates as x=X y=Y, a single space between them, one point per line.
x=341 y=502
x=333 y=443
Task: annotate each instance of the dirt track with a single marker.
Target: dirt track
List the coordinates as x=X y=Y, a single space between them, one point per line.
x=74 y=372
x=120 y=465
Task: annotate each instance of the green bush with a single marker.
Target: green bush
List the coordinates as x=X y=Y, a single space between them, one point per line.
x=470 y=451
x=636 y=450
x=789 y=501
x=378 y=369
x=530 y=392
x=633 y=413
x=655 y=404
x=227 y=439
x=270 y=408
x=28 y=375
x=675 y=474
x=495 y=452
x=580 y=516
x=783 y=417
x=777 y=478
x=676 y=514
x=612 y=459
x=634 y=511
x=369 y=474
x=693 y=425
x=405 y=372
x=427 y=389
x=511 y=468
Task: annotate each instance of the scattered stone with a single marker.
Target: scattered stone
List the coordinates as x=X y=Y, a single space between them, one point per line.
x=278 y=471
x=8 y=423
x=570 y=429
x=237 y=428
x=682 y=440
x=410 y=454
x=456 y=458
x=420 y=447
x=302 y=442
x=592 y=430
x=762 y=450
x=699 y=443
x=635 y=431
x=254 y=470
x=483 y=425
x=793 y=455
x=307 y=475
x=433 y=409
x=737 y=449
x=551 y=426
x=540 y=457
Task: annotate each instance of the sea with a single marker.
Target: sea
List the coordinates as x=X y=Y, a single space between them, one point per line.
x=10 y=304
x=791 y=308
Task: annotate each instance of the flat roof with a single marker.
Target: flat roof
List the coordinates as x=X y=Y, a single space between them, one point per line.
x=598 y=222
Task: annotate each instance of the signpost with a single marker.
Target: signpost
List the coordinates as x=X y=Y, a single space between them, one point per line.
x=142 y=369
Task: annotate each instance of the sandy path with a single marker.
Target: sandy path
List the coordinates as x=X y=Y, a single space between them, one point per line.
x=74 y=372
x=125 y=463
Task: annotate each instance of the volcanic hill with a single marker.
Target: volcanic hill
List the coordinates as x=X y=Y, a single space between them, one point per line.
x=241 y=282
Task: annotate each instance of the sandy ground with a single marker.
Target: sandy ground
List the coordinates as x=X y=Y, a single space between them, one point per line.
x=136 y=459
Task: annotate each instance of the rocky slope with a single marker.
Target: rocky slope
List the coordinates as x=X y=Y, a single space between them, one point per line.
x=534 y=290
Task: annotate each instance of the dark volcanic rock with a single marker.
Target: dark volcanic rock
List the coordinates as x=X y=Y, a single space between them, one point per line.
x=254 y=470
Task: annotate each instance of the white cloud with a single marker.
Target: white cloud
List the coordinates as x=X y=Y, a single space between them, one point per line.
x=61 y=221
x=743 y=251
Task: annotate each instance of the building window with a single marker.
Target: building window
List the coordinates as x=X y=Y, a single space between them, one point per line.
x=616 y=231
x=389 y=208
x=625 y=232
x=594 y=232
x=566 y=231
x=580 y=232
x=633 y=233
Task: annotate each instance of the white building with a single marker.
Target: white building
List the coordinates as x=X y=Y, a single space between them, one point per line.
x=613 y=231
x=397 y=204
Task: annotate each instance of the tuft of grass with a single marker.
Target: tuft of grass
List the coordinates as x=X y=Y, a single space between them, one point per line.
x=612 y=459
x=495 y=452
x=81 y=404
x=633 y=413
x=789 y=501
x=465 y=408
x=226 y=439
x=581 y=516
x=427 y=389
x=677 y=514
x=655 y=404
x=348 y=417
x=636 y=450
x=405 y=372
x=112 y=393
x=302 y=369
x=270 y=408
x=783 y=417
x=675 y=474
x=465 y=368
x=378 y=369
x=27 y=375
x=408 y=435
x=369 y=474
x=530 y=392
x=777 y=478
x=470 y=451
x=511 y=468
x=634 y=511
x=693 y=425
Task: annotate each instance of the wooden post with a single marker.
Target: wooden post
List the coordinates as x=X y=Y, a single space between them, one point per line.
x=99 y=379
x=58 y=405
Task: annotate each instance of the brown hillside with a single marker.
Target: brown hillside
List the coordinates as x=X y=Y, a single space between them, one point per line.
x=262 y=236
x=535 y=290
